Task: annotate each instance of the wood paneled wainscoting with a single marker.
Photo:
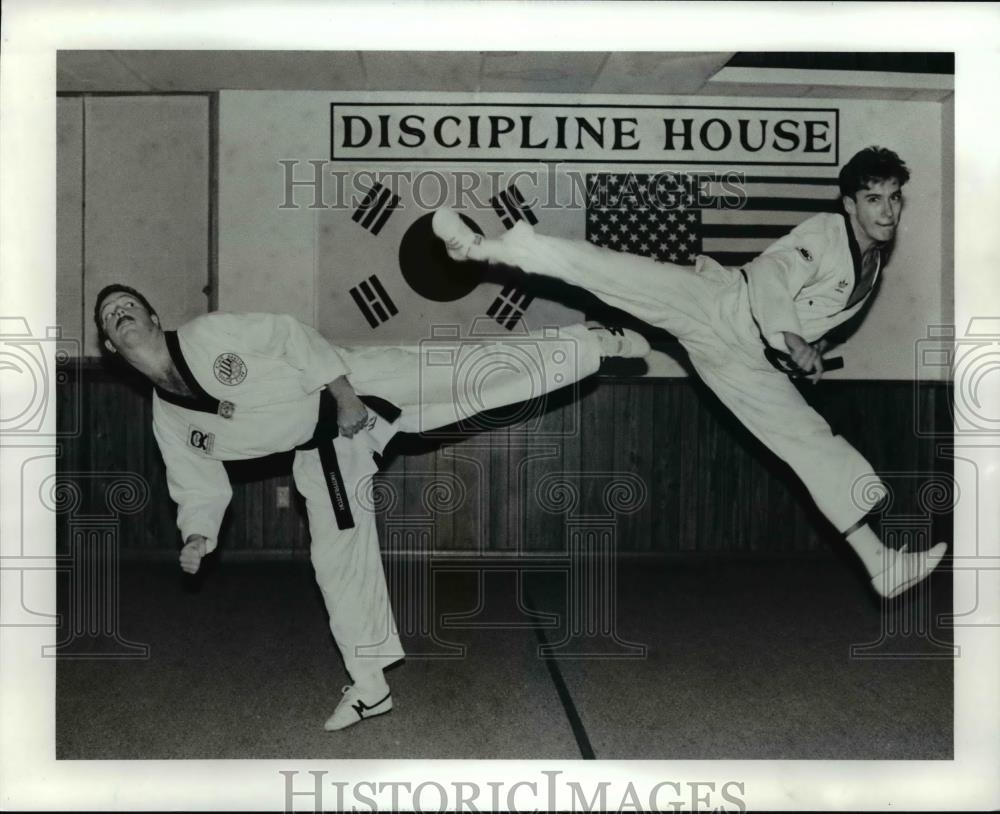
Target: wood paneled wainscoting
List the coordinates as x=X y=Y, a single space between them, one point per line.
x=659 y=458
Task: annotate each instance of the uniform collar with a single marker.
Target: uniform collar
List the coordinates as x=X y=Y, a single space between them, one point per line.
x=852 y=243
x=883 y=251
x=201 y=401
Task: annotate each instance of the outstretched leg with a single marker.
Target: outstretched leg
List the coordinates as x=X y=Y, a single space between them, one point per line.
x=665 y=295
x=688 y=304
x=446 y=380
x=841 y=482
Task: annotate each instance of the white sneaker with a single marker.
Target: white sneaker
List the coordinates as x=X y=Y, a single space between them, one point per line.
x=620 y=342
x=356 y=705
x=906 y=569
x=458 y=238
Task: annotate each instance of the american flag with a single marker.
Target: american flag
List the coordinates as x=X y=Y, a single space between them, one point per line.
x=674 y=217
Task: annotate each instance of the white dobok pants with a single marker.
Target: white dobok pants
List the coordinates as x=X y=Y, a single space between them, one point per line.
x=707 y=308
x=437 y=383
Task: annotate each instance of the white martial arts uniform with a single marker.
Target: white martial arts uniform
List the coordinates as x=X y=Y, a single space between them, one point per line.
x=257 y=380
x=803 y=283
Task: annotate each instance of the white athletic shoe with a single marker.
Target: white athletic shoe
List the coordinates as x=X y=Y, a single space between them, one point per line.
x=620 y=342
x=356 y=705
x=458 y=238
x=906 y=569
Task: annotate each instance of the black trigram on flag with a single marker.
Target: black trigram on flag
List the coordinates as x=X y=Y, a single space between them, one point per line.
x=375 y=209
x=509 y=307
x=374 y=301
x=510 y=207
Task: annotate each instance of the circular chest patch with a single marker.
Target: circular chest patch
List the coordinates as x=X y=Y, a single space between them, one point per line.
x=229 y=369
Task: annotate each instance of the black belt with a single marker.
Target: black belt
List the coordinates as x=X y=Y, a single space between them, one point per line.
x=783 y=361
x=326 y=430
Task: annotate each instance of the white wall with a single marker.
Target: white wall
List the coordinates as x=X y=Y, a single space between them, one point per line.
x=133 y=196
x=69 y=218
x=303 y=261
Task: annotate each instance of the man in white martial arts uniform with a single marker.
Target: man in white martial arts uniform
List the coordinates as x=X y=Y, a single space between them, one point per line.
x=237 y=386
x=741 y=327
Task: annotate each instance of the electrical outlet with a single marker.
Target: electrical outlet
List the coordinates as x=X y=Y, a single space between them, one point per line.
x=283 y=498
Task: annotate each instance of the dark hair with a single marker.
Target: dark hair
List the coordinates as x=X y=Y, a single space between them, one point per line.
x=106 y=292
x=871 y=164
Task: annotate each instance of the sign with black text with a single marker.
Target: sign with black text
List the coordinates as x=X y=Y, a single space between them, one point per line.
x=617 y=134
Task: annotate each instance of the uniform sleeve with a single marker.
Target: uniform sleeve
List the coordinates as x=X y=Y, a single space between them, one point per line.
x=198 y=485
x=778 y=275
x=283 y=337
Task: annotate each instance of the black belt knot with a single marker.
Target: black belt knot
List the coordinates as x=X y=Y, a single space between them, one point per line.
x=326 y=430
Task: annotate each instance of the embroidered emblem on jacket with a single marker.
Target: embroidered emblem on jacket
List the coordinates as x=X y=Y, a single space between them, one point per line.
x=229 y=369
x=201 y=440
x=805 y=254
x=842 y=286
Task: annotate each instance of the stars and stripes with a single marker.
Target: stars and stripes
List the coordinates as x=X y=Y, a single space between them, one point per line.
x=674 y=217
x=509 y=306
x=510 y=207
x=376 y=208
x=373 y=301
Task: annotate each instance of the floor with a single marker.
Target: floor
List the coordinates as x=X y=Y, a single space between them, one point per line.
x=700 y=659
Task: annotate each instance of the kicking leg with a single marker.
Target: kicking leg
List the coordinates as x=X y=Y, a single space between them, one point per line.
x=444 y=381
x=671 y=297
x=769 y=406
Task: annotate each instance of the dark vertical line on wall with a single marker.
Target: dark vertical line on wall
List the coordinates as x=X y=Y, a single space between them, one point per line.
x=212 y=289
x=83 y=227
x=948 y=210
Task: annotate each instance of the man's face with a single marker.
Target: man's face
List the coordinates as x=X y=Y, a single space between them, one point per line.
x=126 y=321
x=875 y=211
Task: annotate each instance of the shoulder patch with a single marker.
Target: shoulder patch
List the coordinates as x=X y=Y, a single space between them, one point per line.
x=229 y=369
x=805 y=253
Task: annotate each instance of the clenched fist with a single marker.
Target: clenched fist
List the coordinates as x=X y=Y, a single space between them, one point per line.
x=194 y=549
x=352 y=415
x=808 y=358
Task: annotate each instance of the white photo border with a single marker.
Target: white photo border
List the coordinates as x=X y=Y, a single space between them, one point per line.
x=31 y=778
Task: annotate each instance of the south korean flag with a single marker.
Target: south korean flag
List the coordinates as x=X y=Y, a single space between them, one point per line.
x=384 y=277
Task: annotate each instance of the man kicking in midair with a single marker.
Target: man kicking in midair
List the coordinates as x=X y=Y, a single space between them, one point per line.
x=730 y=321
x=235 y=386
